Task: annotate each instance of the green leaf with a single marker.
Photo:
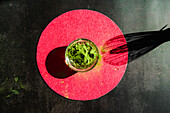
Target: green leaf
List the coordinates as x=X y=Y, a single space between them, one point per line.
x=16 y=79
x=22 y=86
x=4 y=82
x=8 y=96
x=15 y=92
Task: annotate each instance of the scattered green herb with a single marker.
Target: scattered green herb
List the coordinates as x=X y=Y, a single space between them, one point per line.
x=11 y=87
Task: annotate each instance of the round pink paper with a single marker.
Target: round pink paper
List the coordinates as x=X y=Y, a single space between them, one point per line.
x=62 y=31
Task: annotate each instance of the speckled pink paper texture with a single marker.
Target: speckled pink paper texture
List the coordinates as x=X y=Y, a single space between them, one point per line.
x=62 y=31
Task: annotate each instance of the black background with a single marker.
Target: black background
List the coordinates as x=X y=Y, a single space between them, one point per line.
x=144 y=87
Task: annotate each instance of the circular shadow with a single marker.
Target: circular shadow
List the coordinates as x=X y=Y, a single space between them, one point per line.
x=55 y=64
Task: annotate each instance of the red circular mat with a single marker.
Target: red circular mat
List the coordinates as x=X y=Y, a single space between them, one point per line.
x=61 y=32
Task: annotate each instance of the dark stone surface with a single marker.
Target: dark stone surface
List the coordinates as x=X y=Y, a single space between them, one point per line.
x=143 y=89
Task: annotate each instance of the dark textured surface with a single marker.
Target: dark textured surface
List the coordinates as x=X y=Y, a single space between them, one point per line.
x=144 y=87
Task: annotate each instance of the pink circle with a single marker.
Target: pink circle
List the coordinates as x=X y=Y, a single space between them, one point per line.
x=62 y=31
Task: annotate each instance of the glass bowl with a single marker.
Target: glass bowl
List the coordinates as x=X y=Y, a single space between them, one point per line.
x=81 y=55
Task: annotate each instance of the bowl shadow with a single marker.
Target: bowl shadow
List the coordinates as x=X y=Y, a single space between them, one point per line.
x=55 y=64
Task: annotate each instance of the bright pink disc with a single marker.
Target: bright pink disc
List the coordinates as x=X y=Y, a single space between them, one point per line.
x=61 y=32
